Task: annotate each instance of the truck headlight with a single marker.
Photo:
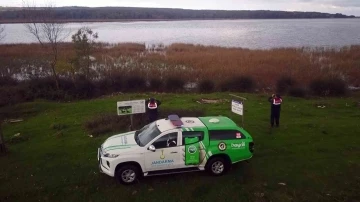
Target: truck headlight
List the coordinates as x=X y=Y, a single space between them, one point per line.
x=111 y=155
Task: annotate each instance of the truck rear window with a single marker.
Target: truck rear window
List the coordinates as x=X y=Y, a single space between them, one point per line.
x=226 y=135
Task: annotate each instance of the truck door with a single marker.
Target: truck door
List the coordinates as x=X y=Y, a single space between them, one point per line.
x=192 y=152
x=167 y=154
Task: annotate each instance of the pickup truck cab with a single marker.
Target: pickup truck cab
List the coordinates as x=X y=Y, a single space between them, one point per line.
x=175 y=145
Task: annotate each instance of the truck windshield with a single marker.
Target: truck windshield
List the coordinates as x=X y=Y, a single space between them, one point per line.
x=146 y=134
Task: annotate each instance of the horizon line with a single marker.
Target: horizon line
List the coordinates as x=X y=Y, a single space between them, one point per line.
x=179 y=9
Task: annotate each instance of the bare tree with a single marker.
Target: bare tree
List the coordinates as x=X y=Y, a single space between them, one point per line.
x=2 y=141
x=84 y=44
x=47 y=30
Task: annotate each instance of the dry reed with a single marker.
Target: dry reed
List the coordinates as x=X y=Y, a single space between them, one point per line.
x=195 y=62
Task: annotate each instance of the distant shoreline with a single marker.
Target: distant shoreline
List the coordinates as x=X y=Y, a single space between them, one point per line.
x=21 y=21
x=136 y=14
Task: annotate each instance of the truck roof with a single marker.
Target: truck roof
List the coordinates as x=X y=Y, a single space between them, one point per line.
x=189 y=122
x=210 y=122
x=218 y=122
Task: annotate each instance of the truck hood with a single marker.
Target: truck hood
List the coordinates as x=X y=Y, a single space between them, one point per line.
x=119 y=144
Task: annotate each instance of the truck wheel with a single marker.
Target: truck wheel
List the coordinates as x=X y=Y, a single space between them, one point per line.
x=127 y=174
x=217 y=166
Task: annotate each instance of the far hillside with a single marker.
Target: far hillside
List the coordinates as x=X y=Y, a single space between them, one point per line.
x=132 y=13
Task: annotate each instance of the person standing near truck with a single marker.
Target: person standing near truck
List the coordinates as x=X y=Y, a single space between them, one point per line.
x=152 y=106
x=275 y=101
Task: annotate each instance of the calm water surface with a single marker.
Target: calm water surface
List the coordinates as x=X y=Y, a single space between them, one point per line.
x=253 y=34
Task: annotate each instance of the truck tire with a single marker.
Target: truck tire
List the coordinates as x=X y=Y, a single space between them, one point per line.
x=127 y=174
x=217 y=166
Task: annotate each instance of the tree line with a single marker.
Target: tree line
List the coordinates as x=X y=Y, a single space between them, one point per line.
x=126 y=13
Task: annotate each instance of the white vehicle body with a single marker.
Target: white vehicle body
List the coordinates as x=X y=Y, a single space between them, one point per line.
x=123 y=148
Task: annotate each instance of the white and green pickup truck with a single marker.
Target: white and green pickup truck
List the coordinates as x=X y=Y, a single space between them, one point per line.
x=175 y=145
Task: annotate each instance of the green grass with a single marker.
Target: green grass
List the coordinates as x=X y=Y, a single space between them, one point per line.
x=315 y=152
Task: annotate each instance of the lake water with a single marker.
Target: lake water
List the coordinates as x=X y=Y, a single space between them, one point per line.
x=253 y=34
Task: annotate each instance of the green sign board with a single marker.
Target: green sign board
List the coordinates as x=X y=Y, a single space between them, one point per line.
x=192 y=153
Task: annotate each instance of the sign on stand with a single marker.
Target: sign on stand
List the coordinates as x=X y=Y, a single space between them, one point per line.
x=131 y=107
x=238 y=107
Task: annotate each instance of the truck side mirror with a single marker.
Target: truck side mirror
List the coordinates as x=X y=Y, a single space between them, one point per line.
x=152 y=148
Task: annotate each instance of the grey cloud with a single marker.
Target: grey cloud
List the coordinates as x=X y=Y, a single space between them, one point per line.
x=339 y=3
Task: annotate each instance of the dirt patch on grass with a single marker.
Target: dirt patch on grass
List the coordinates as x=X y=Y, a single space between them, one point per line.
x=17 y=138
x=212 y=101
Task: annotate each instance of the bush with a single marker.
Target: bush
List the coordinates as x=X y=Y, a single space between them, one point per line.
x=108 y=85
x=104 y=123
x=84 y=88
x=117 y=83
x=328 y=87
x=238 y=83
x=112 y=123
x=45 y=88
x=8 y=81
x=284 y=84
x=206 y=86
x=155 y=84
x=245 y=84
x=225 y=86
x=41 y=88
x=135 y=83
x=104 y=87
x=12 y=95
x=174 y=84
x=297 y=92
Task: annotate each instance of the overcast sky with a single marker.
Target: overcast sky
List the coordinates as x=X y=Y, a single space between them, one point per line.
x=349 y=7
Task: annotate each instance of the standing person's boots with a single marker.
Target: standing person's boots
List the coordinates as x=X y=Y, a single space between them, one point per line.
x=277 y=118
x=272 y=119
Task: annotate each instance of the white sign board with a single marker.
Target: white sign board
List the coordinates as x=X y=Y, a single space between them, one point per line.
x=237 y=107
x=131 y=107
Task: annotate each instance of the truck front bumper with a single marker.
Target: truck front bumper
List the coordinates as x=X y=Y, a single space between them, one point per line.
x=102 y=167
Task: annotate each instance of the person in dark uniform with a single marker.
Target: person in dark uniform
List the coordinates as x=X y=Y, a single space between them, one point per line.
x=152 y=106
x=275 y=101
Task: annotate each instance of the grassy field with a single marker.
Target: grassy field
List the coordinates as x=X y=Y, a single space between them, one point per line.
x=314 y=155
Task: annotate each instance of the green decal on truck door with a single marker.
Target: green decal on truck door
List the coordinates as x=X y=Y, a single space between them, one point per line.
x=192 y=154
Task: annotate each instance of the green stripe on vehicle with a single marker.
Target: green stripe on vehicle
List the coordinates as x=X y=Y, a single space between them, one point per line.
x=127 y=145
x=119 y=148
x=121 y=135
x=203 y=146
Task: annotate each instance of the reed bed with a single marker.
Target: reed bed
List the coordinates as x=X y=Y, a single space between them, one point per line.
x=194 y=63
